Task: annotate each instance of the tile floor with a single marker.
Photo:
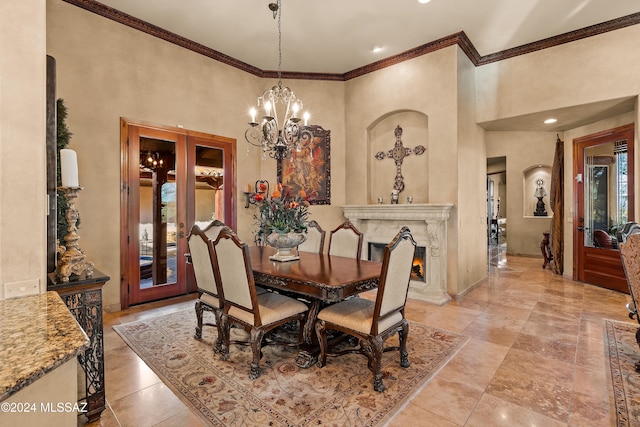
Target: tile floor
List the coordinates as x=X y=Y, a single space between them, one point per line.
x=535 y=357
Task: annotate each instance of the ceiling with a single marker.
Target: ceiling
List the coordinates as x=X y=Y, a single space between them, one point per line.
x=338 y=36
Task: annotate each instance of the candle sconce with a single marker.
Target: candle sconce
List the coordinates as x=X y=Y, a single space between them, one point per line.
x=261 y=188
x=72 y=259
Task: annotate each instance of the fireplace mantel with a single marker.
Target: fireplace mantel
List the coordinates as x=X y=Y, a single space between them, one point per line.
x=428 y=225
x=412 y=212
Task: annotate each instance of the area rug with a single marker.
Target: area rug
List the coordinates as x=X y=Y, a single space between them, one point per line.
x=623 y=353
x=340 y=394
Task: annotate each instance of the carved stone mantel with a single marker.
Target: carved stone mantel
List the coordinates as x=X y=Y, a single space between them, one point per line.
x=428 y=225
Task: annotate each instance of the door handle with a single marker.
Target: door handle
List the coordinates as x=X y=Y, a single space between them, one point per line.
x=580 y=228
x=181 y=234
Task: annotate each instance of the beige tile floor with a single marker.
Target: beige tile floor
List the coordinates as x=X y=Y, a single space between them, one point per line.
x=535 y=357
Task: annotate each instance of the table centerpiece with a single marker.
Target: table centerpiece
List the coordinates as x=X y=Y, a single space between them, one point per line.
x=282 y=221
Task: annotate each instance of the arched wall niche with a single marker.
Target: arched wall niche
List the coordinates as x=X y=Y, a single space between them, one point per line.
x=382 y=173
x=530 y=177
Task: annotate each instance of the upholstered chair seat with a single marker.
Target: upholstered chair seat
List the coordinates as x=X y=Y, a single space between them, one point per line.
x=373 y=322
x=243 y=307
x=357 y=314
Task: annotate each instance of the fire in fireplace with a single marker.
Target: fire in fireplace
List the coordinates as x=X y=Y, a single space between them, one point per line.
x=376 y=251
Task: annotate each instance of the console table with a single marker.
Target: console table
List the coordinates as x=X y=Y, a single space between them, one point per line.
x=83 y=297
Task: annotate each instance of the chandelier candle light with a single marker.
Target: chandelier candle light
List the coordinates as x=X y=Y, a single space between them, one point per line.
x=277 y=138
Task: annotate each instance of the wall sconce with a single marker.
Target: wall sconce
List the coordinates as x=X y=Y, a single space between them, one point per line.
x=260 y=188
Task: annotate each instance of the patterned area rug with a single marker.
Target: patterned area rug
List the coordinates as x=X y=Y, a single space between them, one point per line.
x=623 y=353
x=339 y=394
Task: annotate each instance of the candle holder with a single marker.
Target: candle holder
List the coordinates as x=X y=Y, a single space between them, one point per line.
x=72 y=260
x=261 y=187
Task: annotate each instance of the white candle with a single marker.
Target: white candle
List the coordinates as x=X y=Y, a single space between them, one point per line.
x=253 y=115
x=306 y=118
x=69 y=168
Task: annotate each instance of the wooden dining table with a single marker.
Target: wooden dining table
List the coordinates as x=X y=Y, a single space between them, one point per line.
x=320 y=279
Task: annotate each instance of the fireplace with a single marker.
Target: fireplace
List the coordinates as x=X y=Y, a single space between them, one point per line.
x=428 y=224
x=376 y=252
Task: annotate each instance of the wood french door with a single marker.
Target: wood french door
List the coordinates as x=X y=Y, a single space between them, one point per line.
x=171 y=179
x=603 y=185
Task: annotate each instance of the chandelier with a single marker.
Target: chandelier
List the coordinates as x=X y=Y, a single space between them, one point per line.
x=151 y=161
x=277 y=138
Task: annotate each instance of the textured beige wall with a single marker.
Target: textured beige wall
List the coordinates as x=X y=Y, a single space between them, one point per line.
x=107 y=71
x=441 y=87
x=523 y=151
x=590 y=70
x=471 y=230
x=23 y=205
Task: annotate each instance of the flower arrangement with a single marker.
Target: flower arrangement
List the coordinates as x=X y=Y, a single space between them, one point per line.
x=281 y=212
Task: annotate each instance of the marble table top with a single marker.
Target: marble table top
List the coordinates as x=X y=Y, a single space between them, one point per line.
x=37 y=334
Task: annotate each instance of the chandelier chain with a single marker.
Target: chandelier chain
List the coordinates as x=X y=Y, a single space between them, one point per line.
x=279 y=44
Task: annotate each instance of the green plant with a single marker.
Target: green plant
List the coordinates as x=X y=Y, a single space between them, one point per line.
x=281 y=212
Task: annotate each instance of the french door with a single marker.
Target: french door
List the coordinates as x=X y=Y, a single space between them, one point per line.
x=603 y=171
x=171 y=179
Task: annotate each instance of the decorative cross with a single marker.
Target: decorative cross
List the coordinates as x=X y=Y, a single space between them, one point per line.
x=398 y=153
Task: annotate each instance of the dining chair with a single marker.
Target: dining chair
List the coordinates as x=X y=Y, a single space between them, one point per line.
x=315 y=239
x=345 y=241
x=243 y=307
x=201 y=257
x=213 y=229
x=373 y=322
x=630 y=254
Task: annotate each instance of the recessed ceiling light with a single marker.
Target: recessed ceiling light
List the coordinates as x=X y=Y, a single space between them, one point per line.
x=423 y=1
x=549 y=121
x=377 y=49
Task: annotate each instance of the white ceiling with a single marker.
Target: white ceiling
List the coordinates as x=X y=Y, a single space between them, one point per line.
x=337 y=36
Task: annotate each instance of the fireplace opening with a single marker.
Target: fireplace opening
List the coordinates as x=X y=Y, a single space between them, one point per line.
x=376 y=252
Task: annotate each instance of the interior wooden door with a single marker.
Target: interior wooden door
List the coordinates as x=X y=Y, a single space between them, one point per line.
x=157 y=214
x=603 y=171
x=172 y=178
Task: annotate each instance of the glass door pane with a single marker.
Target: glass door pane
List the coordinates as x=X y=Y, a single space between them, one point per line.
x=605 y=194
x=158 y=213
x=209 y=185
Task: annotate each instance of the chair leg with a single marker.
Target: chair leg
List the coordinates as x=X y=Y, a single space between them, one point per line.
x=256 y=344
x=198 y=308
x=217 y=348
x=638 y=341
x=224 y=329
x=377 y=347
x=403 y=333
x=321 y=332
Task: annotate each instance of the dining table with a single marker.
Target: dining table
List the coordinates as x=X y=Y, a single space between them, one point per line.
x=319 y=279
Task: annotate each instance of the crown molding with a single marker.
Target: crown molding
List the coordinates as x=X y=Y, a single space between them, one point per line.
x=583 y=33
x=460 y=39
